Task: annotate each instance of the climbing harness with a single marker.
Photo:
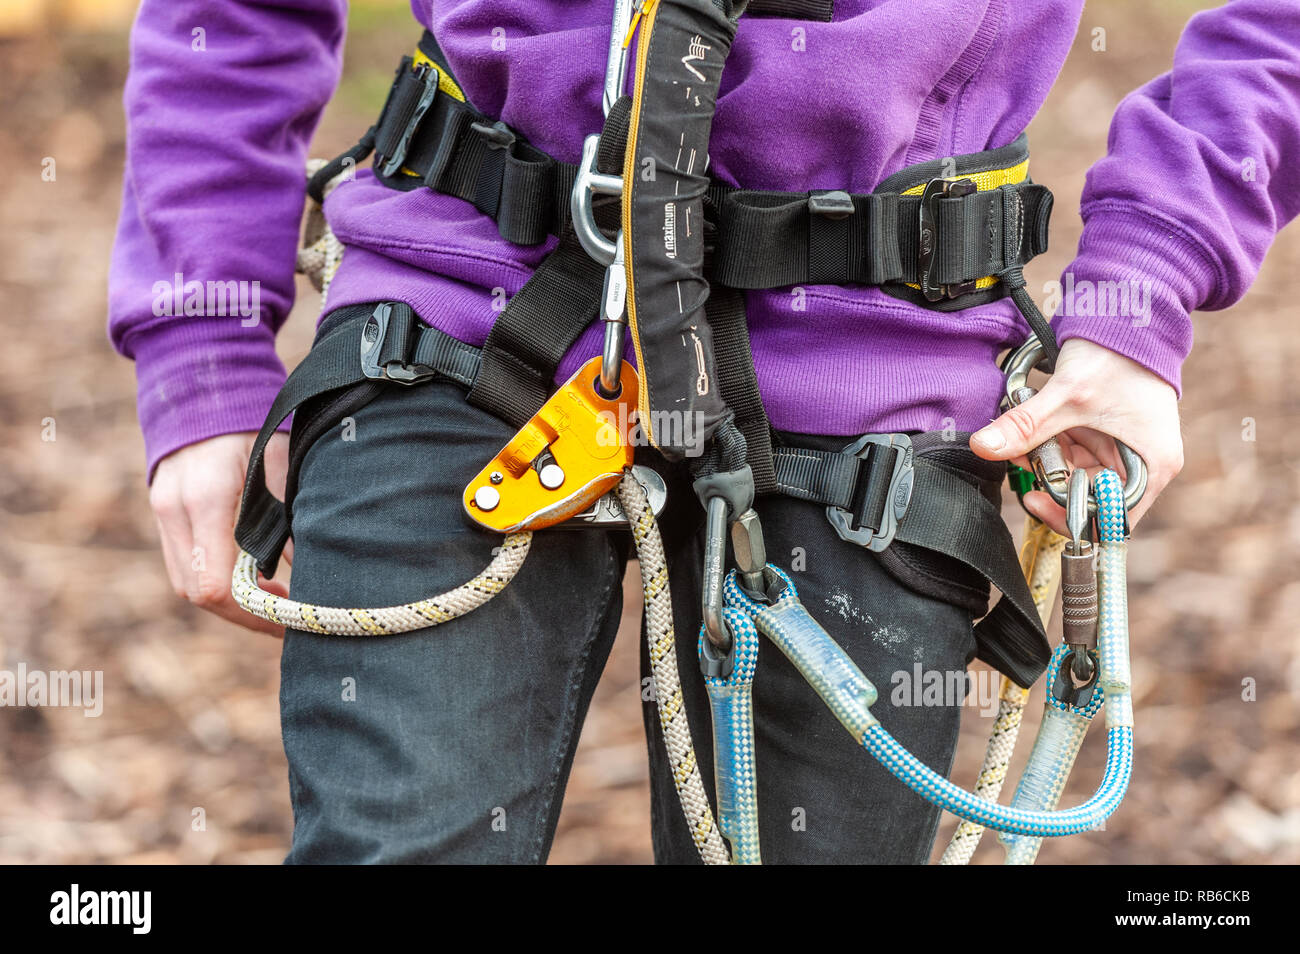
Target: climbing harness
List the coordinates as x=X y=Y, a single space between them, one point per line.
x=664 y=260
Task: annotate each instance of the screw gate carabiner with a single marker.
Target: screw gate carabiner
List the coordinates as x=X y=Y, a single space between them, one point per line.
x=1049 y=465
x=1079 y=597
x=751 y=563
x=715 y=558
x=751 y=554
x=589 y=183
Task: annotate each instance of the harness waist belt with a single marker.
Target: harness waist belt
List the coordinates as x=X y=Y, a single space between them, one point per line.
x=940 y=247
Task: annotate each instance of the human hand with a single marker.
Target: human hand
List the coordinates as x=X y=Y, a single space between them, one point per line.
x=195 y=499
x=1094 y=395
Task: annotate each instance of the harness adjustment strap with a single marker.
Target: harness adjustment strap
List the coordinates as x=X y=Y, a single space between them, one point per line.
x=881 y=493
x=412 y=95
x=396 y=346
x=948 y=541
x=531 y=335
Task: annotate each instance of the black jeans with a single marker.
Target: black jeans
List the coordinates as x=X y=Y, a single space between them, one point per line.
x=453 y=744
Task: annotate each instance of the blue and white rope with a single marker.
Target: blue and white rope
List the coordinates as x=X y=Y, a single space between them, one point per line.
x=850 y=694
x=731 y=701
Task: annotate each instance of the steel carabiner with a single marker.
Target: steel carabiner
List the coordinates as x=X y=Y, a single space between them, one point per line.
x=1048 y=461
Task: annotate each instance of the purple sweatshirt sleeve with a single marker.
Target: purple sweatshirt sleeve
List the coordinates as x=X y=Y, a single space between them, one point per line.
x=221 y=102
x=1202 y=170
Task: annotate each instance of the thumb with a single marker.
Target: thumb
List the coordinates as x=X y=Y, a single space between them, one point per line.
x=1023 y=427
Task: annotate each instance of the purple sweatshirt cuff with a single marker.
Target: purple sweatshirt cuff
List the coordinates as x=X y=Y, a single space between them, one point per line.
x=199 y=378
x=1133 y=285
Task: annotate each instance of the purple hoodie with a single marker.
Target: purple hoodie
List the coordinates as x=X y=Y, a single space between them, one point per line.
x=1202 y=170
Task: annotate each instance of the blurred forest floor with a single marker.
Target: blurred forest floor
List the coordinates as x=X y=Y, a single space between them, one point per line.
x=190 y=719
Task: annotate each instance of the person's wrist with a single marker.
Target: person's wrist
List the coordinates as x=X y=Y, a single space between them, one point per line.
x=199 y=378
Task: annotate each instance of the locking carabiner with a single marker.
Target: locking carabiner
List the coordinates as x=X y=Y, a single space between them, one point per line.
x=589 y=183
x=1047 y=460
x=1079 y=598
x=751 y=562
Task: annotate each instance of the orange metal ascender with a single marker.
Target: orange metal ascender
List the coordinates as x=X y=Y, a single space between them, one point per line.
x=570 y=453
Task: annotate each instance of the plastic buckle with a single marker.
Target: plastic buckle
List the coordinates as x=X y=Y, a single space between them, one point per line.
x=856 y=527
x=498 y=135
x=429 y=76
x=935 y=190
x=835 y=204
x=373 y=336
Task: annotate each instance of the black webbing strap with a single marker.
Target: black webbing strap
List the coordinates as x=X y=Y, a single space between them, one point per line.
x=734 y=365
x=774 y=239
x=533 y=332
x=425 y=137
x=821 y=10
x=949 y=529
x=331 y=381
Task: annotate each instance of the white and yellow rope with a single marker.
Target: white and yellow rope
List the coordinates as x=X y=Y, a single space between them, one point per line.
x=660 y=638
x=387 y=620
x=321 y=251
x=1040 y=561
x=661 y=642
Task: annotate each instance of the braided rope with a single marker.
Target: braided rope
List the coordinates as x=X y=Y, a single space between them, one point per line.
x=1060 y=737
x=388 y=620
x=849 y=694
x=661 y=643
x=322 y=252
x=660 y=637
x=735 y=770
x=1040 y=562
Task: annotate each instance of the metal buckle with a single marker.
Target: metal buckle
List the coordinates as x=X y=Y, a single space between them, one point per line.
x=935 y=190
x=498 y=135
x=850 y=526
x=372 y=345
x=429 y=75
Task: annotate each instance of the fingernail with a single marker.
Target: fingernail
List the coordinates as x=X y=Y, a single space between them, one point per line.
x=990 y=439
